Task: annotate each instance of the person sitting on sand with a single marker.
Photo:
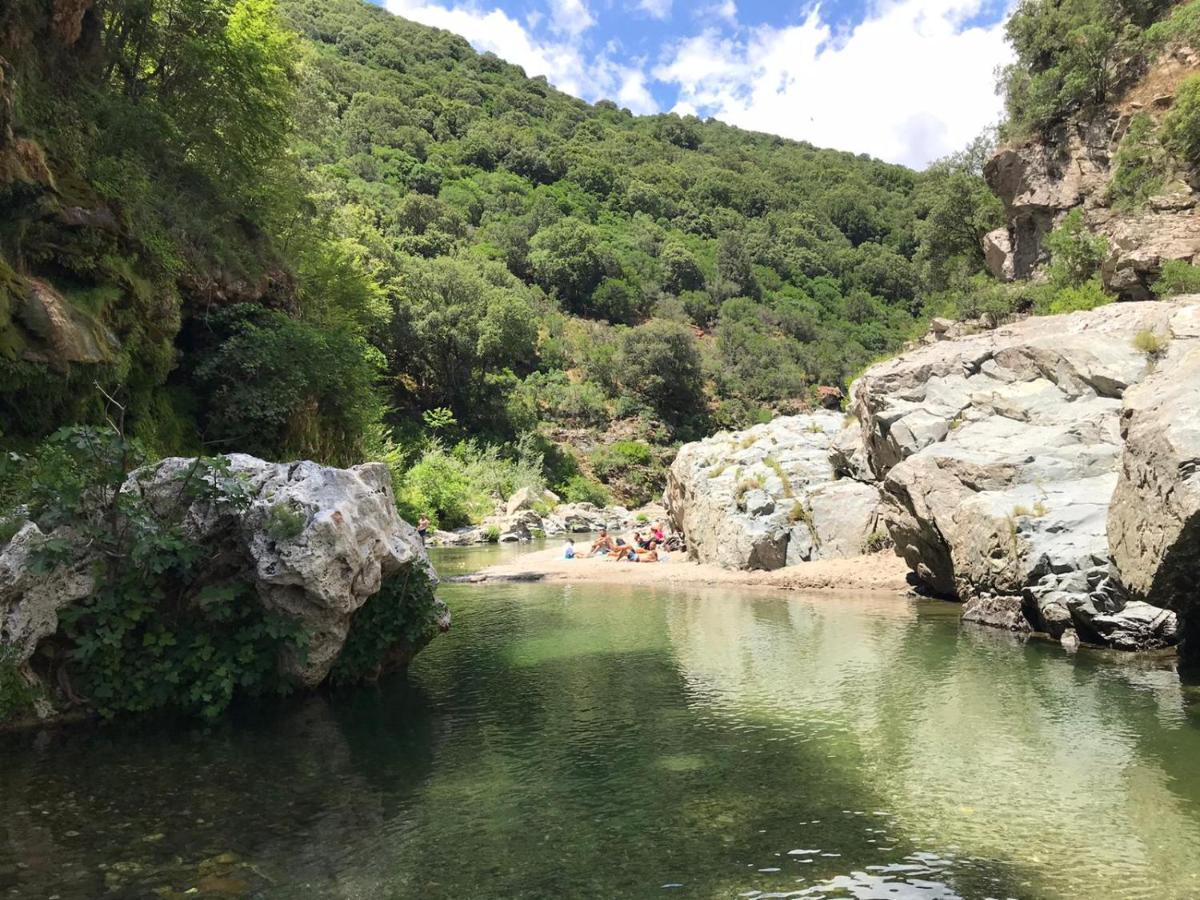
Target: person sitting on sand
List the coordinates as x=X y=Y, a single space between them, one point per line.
x=603 y=544
x=569 y=552
x=638 y=541
x=657 y=533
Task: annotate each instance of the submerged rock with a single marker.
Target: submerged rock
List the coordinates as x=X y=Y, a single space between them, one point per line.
x=770 y=496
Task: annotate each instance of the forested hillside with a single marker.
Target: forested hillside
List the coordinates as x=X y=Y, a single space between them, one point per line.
x=319 y=230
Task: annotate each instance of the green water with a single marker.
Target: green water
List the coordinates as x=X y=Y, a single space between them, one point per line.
x=576 y=741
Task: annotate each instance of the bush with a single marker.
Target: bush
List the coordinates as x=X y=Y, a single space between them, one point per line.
x=1181 y=127
x=1152 y=344
x=1088 y=295
x=1075 y=253
x=277 y=387
x=1177 y=277
x=615 y=459
x=581 y=489
x=1139 y=169
x=458 y=487
x=392 y=625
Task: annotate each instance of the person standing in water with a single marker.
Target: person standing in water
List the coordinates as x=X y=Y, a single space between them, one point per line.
x=423 y=527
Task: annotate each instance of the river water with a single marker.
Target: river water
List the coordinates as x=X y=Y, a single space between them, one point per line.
x=577 y=741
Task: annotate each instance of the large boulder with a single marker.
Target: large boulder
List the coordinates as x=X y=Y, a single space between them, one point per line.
x=1154 y=519
x=999 y=454
x=770 y=496
x=314 y=542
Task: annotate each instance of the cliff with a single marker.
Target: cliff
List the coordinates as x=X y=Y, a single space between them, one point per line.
x=1107 y=163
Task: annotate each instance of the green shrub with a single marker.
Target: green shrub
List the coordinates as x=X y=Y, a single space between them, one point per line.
x=1075 y=253
x=1182 y=26
x=393 y=624
x=286 y=522
x=1152 y=344
x=1181 y=127
x=491 y=534
x=581 y=489
x=1139 y=168
x=16 y=696
x=1088 y=295
x=1177 y=277
x=876 y=542
x=613 y=460
x=277 y=387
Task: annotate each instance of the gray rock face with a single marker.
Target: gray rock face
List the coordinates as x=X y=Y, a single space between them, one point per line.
x=1041 y=181
x=1154 y=519
x=768 y=497
x=350 y=540
x=999 y=454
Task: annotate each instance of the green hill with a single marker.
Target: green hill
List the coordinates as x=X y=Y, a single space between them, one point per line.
x=320 y=230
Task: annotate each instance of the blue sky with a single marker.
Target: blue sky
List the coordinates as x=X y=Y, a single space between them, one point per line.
x=905 y=80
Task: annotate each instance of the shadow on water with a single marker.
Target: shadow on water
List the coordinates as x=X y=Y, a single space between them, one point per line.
x=570 y=741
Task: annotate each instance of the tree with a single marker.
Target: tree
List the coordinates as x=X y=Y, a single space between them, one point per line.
x=568 y=259
x=735 y=272
x=681 y=272
x=456 y=330
x=660 y=364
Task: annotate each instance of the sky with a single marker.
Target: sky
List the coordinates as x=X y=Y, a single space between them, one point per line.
x=907 y=81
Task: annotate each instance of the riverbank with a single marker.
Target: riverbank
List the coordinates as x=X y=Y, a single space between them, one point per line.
x=881 y=572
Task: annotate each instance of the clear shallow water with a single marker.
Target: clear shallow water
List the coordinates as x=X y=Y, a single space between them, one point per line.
x=570 y=741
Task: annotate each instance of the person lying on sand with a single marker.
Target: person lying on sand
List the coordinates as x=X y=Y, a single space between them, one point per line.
x=633 y=553
x=650 y=554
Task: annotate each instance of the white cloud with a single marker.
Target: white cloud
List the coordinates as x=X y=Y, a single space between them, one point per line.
x=561 y=59
x=908 y=84
x=571 y=17
x=656 y=9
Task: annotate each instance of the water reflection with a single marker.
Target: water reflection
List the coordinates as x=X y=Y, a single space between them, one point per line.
x=1072 y=771
x=602 y=742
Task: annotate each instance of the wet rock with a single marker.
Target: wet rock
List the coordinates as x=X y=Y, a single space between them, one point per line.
x=1003 y=612
x=63 y=334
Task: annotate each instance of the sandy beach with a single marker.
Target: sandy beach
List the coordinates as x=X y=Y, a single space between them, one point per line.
x=882 y=572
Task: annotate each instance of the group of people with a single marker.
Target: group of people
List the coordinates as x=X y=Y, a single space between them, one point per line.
x=642 y=547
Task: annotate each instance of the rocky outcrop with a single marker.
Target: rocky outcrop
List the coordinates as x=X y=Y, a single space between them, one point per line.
x=339 y=541
x=1154 y=519
x=770 y=496
x=1041 y=180
x=62 y=334
x=999 y=453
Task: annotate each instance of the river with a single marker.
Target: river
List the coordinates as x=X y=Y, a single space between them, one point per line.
x=575 y=741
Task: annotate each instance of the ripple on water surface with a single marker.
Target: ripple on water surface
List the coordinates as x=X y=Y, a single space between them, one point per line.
x=577 y=741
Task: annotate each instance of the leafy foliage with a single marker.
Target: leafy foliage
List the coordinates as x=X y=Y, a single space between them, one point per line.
x=400 y=618
x=1181 y=128
x=1072 y=55
x=162 y=630
x=1178 y=277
